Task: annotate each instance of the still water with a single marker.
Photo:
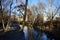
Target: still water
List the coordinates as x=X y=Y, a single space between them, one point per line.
x=23 y=35
x=36 y=35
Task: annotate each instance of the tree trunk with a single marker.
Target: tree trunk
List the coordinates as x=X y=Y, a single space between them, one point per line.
x=9 y=20
x=24 y=18
x=2 y=14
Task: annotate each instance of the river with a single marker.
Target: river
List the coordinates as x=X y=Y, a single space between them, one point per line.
x=23 y=35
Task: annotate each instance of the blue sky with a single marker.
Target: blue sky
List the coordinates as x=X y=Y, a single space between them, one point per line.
x=35 y=2
x=32 y=2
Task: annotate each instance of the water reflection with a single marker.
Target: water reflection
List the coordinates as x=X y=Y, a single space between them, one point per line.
x=23 y=35
x=36 y=35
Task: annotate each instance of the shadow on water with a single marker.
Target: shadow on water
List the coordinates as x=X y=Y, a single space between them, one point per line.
x=40 y=36
x=23 y=35
x=13 y=35
x=16 y=35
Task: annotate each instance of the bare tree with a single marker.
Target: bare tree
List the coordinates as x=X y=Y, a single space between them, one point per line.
x=53 y=10
x=1 y=1
x=38 y=12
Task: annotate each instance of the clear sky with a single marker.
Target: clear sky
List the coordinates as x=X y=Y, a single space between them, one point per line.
x=56 y=3
x=32 y=2
x=35 y=2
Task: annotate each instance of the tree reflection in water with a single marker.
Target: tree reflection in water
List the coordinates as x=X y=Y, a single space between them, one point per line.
x=35 y=34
